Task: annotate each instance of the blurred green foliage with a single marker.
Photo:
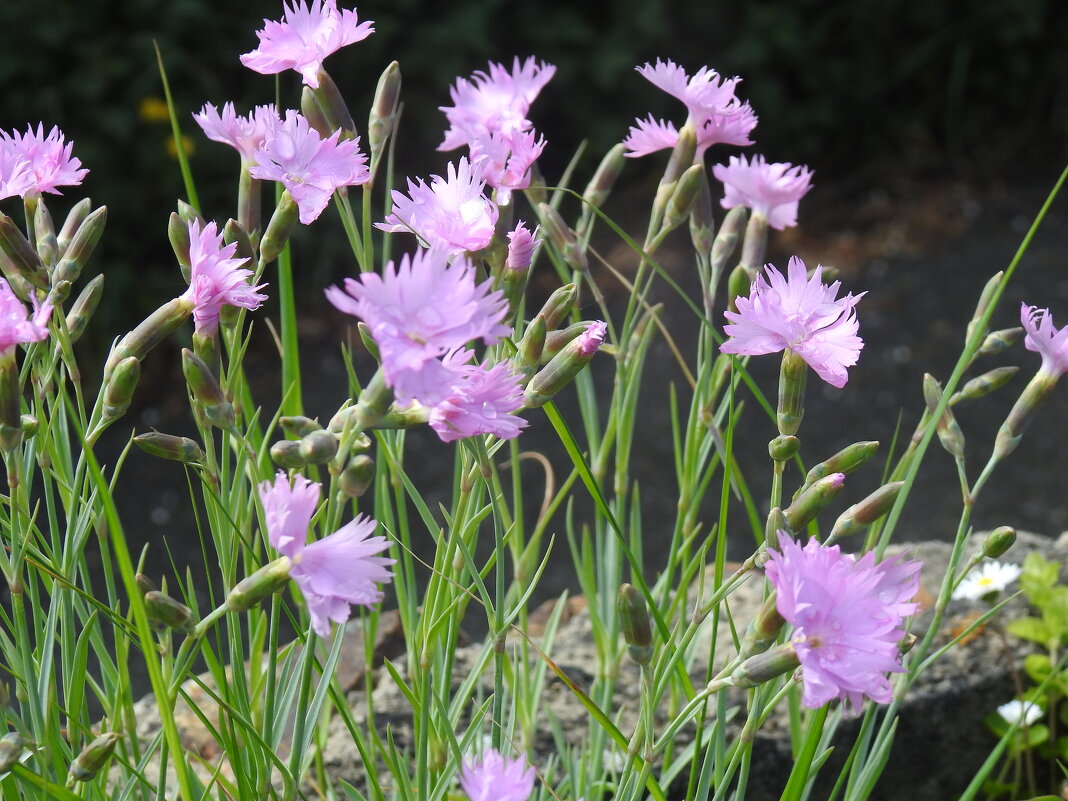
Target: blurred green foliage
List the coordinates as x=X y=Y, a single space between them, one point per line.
x=839 y=85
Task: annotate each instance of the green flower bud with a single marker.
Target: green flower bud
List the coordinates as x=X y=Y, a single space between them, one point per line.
x=164 y=321
x=634 y=620
x=562 y=237
x=207 y=392
x=383 y=117
x=313 y=113
x=682 y=198
x=286 y=453
x=279 y=228
x=81 y=247
x=763 y=629
x=357 y=476
x=144 y=584
x=168 y=446
x=703 y=219
x=765 y=666
x=999 y=541
x=605 y=177
x=299 y=426
x=792 y=377
x=334 y=109
x=1033 y=396
x=812 y=501
x=169 y=612
x=755 y=244
x=30 y=425
x=45 y=232
x=726 y=241
x=859 y=516
x=783 y=449
x=233 y=231
x=189 y=214
x=10 y=405
x=985 y=297
x=682 y=158
x=120 y=387
x=556 y=341
x=178 y=234
x=775 y=523
x=531 y=345
x=739 y=284
x=998 y=341
x=11 y=747
x=845 y=461
x=564 y=366
x=22 y=260
x=949 y=432
x=84 y=307
x=559 y=305
x=93 y=757
x=264 y=583
x=984 y=384
x=75 y=217
x=318 y=447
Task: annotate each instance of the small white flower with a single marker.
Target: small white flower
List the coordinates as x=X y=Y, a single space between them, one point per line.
x=991 y=577
x=1022 y=712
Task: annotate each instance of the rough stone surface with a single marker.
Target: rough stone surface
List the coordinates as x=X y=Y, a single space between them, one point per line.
x=940 y=742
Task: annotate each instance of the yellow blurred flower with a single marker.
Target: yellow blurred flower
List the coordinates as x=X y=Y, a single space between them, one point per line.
x=153 y=109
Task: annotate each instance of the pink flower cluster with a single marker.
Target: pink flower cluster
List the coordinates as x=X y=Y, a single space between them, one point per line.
x=799 y=313
x=715 y=112
x=421 y=314
x=304 y=37
x=32 y=163
x=16 y=326
x=847 y=615
x=216 y=279
x=335 y=572
x=493 y=777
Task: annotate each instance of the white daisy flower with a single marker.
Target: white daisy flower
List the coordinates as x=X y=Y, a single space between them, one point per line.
x=991 y=577
x=1022 y=712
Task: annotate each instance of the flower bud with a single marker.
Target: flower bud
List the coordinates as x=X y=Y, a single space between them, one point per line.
x=727 y=238
x=682 y=198
x=845 y=461
x=859 y=516
x=564 y=366
x=311 y=111
x=168 y=446
x=59 y=293
x=81 y=247
x=150 y=332
x=383 y=117
x=10 y=405
x=1033 y=396
x=765 y=666
x=702 y=219
x=264 y=583
x=21 y=258
x=997 y=341
x=999 y=541
x=144 y=584
x=984 y=384
x=775 y=523
x=318 y=447
x=30 y=425
x=120 y=387
x=279 y=228
x=556 y=341
x=559 y=305
x=299 y=426
x=79 y=211
x=949 y=432
x=84 y=307
x=207 y=392
x=562 y=238
x=605 y=177
x=531 y=345
x=233 y=231
x=681 y=159
x=286 y=453
x=812 y=501
x=634 y=620
x=357 y=476
x=739 y=284
x=333 y=106
x=783 y=449
x=763 y=629
x=11 y=747
x=44 y=230
x=93 y=757
x=792 y=377
x=178 y=234
x=170 y=612
x=985 y=297
x=755 y=244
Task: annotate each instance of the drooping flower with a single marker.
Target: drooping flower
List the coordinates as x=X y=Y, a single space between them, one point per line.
x=1042 y=337
x=505 y=160
x=49 y=161
x=991 y=577
x=493 y=777
x=417 y=313
x=770 y=190
x=333 y=573
x=521 y=244
x=18 y=327
x=452 y=211
x=1023 y=713
x=482 y=401
x=799 y=313
x=310 y=167
x=216 y=279
x=715 y=112
x=494 y=102
x=244 y=134
x=847 y=616
x=304 y=37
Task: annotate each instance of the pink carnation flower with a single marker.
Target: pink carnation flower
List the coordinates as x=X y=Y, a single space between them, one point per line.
x=216 y=279
x=16 y=178
x=494 y=102
x=335 y=572
x=493 y=777
x=847 y=616
x=482 y=401
x=505 y=160
x=590 y=340
x=417 y=313
x=799 y=313
x=770 y=190
x=244 y=134
x=452 y=212
x=1044 y=339
x=304 y=38
x=521 y=244
x=718 y=117
x=16 y=326
x=49 y=162
x=310 y=167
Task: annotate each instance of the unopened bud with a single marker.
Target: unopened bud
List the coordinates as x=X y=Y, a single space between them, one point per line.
x=144 y=584
x=79 y=211
x=634 y=621
x=564 y=366
x=318 y=447
x=21 y=258
x=299 y=426
x=984 y=384
x=83 y=308
x=755 y=244
x=178 y=234
x=169 y=611
x=681 y=159
x=556 y=341
x=775 y=523
x=333 y=106
x=81 y=247
x=765 y=666
x=531 y=345
x=739 y=285
x=949 y=431
x=559 y=305
x=1033 y=396
x=998 y=341
x=859 y=516
x=730 y=231
x=264 y=583
x=189 y=214
x=383 y=117
x=207 y=392
x=285 y=217
x=44 y=230
x=793 y=375
x=682 y=198
x=154 y=329
x=812 y=501
x=985 y=297
x=357 y=476
x=562 y=237
x=783 y=449
x=286 y=453
x=313 y=113
x=233 y=232
x=999 y=541
x=168 y=446
x=763 y=629
x=93 y=757
x=11 y=747
x=702 y=218
x=845 y=461
x=906 y=643
x=605 y=177
x=30 y=425
x=120 y=387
